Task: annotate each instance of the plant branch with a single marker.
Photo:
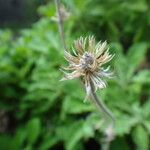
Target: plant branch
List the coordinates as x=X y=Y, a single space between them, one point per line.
x=60 y=24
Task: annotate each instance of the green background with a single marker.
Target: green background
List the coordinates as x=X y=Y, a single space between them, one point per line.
x=38 y=112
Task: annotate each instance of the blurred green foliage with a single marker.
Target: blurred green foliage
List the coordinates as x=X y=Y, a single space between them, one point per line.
x=42 y=112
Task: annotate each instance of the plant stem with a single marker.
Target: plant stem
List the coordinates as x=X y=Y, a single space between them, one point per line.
x=101 y=106
x=107 y=113
x=60 y=24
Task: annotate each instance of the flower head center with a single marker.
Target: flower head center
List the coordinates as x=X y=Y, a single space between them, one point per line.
x=86 y=60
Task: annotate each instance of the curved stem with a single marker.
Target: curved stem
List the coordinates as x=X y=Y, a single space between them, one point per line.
x=101 y=106
x=60 y=24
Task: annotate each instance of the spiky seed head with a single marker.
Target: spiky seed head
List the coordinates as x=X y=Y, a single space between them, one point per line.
x=87 y=61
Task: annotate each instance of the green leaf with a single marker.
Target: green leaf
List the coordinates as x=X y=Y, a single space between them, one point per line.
x=121 y=68
x=146 y=124
x=33 y=130
x=76 y=132
x=143 y=77
x=135 y=56
x=124 y=124
x=48 y=142
x=146 y=109
x=74 y=106
x=19 y=138
x=141 y=138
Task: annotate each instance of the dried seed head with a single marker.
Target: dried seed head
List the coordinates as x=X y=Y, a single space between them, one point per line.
x=87 y=62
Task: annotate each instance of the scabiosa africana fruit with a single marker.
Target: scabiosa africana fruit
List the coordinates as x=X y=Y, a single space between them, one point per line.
x=87 y=62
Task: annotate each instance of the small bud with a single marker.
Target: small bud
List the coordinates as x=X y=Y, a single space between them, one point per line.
x=64 y=14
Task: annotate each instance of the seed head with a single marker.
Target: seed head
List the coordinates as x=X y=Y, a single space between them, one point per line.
x=87 y=62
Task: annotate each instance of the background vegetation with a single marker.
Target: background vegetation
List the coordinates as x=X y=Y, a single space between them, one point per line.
x=38 y=112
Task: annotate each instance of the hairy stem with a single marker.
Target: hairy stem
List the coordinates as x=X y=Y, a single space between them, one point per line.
x=101 y=106
x=106 y=112
x=60 y=24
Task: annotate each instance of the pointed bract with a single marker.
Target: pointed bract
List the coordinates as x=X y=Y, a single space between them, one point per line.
x=86 y=61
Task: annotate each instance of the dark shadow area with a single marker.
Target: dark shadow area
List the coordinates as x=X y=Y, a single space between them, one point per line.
x=18 y=13
x=91 y=144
